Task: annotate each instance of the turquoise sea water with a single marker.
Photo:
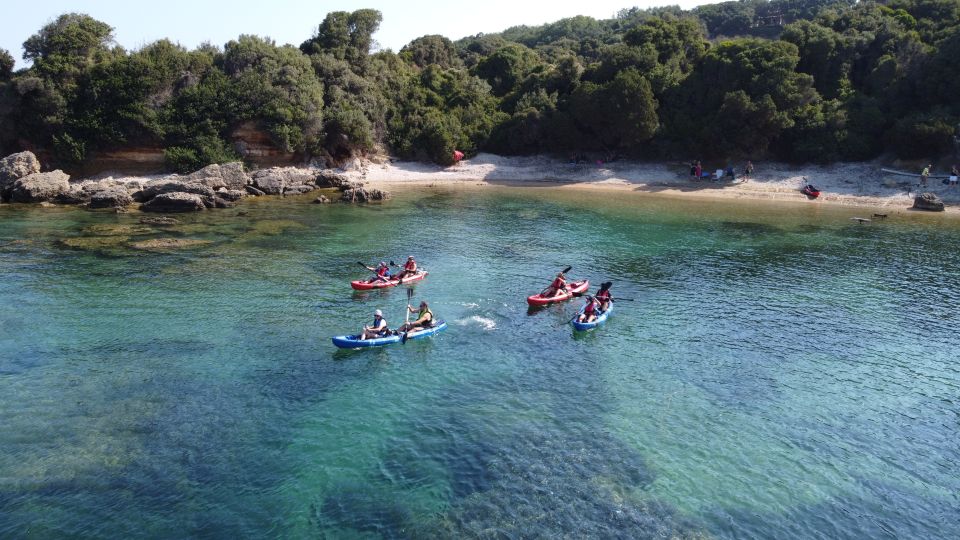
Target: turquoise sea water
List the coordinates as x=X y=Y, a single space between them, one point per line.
x=783 y=373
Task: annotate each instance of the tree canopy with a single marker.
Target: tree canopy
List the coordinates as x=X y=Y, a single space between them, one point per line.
x=805 y=80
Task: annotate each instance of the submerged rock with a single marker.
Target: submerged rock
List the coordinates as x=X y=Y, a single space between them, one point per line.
x=928 y=201
x=323 y=199
x=174 y=202
x=159 y=220
x=15 y=167
x=169 y=243
x=39 y=187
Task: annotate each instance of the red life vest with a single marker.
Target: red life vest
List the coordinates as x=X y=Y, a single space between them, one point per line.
x=603 y=296
x=383 y=271
x=590 y=308
x=558 y=283
x=411 y=266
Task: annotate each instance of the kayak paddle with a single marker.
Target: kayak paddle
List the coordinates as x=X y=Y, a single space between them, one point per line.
x=406 y=318
x=564 y=271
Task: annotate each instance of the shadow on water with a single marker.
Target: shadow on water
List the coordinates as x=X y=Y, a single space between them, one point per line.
x=548 y=473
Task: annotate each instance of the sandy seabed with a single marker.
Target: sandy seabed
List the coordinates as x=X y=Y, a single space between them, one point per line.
x=853 y=184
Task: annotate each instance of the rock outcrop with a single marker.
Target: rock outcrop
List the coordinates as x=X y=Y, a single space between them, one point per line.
x=928 y=201
x=359 y=194
x=285 y=180
x=111 y=197
x=15 y=167
x=228 y=175
x=174 y=202
x=158 y=187
x=39 y=187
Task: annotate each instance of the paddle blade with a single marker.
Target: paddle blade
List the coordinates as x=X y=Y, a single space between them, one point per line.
x=567 y=269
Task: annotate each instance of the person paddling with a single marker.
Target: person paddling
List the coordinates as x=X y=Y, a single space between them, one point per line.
x=377 y=329
x=424 y=319
x=558 y=286
x=589 y=313
x=409 y=269
x=603 y=296
x=382 y=272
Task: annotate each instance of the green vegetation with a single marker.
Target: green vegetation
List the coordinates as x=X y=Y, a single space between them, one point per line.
x=803 y=80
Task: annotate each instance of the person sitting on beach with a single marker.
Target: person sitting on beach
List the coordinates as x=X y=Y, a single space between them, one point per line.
x=382 y=272
x=558 y=286
x=603 y=295
x=409 y=269
x=377 y=329
x=730 y=174
x=424 y=319
x=589 y=313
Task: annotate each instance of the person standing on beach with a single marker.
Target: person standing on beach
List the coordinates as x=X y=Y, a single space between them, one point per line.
x=697 y=170
x=924 y=174
x=748 y=171
x=954 y=174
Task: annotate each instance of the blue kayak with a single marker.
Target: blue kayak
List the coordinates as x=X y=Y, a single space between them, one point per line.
x=601 y=318
x=351 y=342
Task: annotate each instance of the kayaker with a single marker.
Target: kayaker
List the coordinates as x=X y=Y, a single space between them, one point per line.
x=424 y=318
x=603 y=295
x=409 y=269
x=382 y=272
x=558 y=286
x=589 y=313
x=377 y=329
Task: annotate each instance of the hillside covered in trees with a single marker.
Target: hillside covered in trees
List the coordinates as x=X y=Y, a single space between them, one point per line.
x=797 y=80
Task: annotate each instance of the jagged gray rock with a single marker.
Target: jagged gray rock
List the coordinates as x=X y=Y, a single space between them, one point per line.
x=15 y=167
x=157 y=187
x=928 y=201
x=363 y=195
x=39 y=187
x=323 y=199
x=280 y=180
x=228 y=175
x=330 y=179
x=174 y=202
x=254 y=191
x=232 y=195
x=112 y=197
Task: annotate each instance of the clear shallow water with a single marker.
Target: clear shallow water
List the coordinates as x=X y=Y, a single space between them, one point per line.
x=784 y=373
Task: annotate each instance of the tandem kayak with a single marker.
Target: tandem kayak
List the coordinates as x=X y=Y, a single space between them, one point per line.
x=601 y=318
x=577 y=287
x=364 y=285
x=352 y=342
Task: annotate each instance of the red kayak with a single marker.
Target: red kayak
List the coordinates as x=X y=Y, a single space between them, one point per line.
x=364 y=285
x=577 y=287
x=810 y=191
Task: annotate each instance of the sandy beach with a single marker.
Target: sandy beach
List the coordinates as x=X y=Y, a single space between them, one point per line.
x=853 y=184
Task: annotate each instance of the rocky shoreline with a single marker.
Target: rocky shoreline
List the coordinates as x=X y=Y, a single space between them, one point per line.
x=214 y=186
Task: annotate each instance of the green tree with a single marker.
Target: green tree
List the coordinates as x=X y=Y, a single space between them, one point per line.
x=506 y=67
x=345 y=36
x=432 y=49
x=6 y=65
x=68 y=44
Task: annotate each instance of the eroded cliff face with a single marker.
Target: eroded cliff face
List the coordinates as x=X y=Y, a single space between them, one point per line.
x=255 y=147
x=252 y=145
